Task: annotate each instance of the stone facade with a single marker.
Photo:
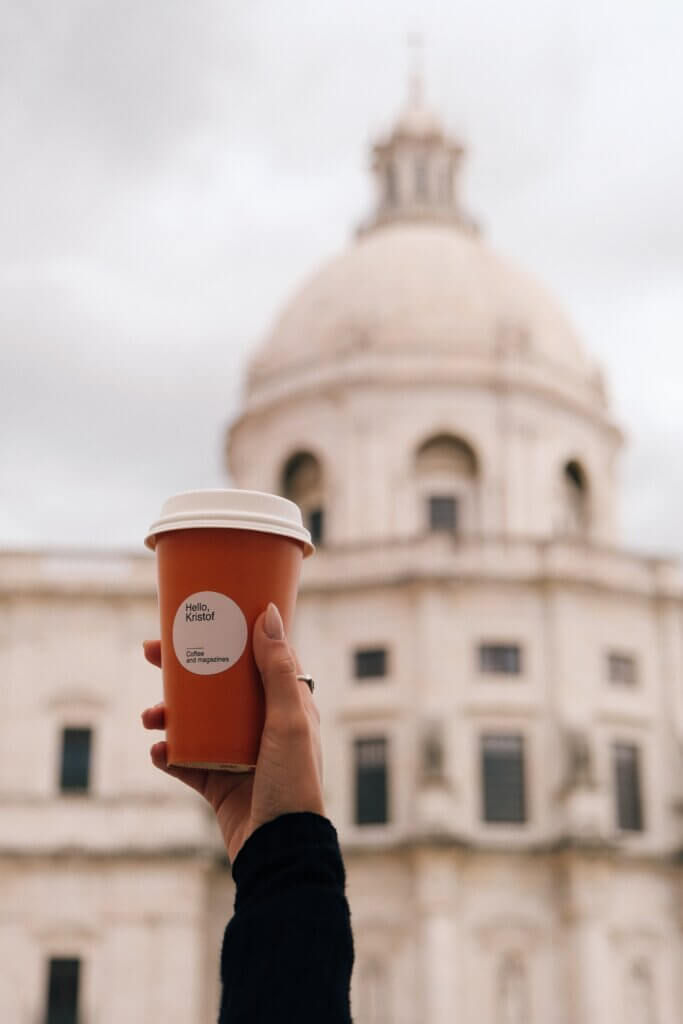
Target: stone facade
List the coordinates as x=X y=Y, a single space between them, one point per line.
x=450 y=441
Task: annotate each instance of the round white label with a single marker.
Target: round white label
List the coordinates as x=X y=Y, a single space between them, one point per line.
x=209 y=633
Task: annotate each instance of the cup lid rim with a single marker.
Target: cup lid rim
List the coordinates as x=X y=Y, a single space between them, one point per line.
x=231 y=508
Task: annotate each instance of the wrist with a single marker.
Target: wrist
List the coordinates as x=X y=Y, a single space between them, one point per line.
x=293 y=848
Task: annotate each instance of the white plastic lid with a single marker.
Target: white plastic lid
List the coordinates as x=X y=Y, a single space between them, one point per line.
x=234 y=509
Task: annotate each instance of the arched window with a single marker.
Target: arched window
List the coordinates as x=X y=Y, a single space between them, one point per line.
x=574 y=512
x=373 y=993
x=447 y=477
x=303 y=483
x=640 y=998
x=512 y=992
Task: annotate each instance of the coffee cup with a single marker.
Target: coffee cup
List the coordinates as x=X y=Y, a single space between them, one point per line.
x=222 y=556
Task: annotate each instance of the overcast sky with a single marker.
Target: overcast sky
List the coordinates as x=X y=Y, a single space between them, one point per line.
x=172 y=170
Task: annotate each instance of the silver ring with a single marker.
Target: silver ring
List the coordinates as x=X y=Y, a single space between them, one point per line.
x=308 y=680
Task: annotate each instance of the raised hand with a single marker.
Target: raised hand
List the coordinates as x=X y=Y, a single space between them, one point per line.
x=288 y=775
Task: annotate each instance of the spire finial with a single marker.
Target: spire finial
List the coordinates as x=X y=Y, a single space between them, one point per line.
x=415 y=42
x=416 y=165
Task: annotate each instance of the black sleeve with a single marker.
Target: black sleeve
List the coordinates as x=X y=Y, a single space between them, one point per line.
x=288 y=950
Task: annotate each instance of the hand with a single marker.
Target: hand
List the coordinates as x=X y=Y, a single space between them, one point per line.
x=288 y=775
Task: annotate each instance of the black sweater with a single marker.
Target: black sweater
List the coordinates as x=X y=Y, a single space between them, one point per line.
x=288 y=950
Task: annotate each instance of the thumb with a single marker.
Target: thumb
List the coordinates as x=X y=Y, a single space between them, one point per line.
x=276 y=662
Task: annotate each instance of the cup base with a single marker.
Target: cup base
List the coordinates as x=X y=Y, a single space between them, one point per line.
x=214 y=766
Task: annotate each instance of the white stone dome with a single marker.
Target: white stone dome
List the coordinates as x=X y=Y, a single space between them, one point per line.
x=419 y=334
x=428 y=287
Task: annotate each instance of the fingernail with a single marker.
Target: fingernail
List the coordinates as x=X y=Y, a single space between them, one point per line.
x=272 y=623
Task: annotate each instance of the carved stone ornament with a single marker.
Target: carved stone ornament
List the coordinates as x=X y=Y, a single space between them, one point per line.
x=432 y=753
x=580 y=771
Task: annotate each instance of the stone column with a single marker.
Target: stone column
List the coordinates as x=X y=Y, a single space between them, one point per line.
x=436 y=884
x=150 y=970
x=590 y=966
x=126 y=985
x=432 y=635
x=593 y=972
x=670 y=670
x=434 y=808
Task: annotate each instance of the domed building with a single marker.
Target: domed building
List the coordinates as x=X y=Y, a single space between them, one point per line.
x=500 y=683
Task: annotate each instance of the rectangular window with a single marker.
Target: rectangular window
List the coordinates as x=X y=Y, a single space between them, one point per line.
x=75 y=770
x=627 y=781
x=504 y=659
x=316 y=524
x=503 y=779
x=62 y=991
x=370 y=663
x=370 y=756
x=443 y=513
x=622 y=668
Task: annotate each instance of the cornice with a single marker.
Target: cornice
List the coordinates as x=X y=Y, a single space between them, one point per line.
x=477 y=559
x=391 y=370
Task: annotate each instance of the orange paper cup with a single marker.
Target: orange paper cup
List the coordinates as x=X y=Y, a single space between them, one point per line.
x=222 y=555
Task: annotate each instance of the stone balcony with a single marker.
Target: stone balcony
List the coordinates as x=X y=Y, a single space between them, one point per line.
x=125 y=826
x=519 y=560
x=371 y=563
x=76 y=571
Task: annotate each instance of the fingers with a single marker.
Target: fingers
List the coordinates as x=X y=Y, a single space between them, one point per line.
x=277 y=664
x=195 y=778
x=154 y=718
x=152 y=649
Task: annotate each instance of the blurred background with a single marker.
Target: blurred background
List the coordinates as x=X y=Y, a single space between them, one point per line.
x=494 y=613
x=173 y=173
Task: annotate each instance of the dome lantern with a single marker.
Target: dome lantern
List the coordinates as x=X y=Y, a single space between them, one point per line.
x=416 y=168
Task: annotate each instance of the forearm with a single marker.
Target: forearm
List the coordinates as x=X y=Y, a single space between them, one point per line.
x=288 y=951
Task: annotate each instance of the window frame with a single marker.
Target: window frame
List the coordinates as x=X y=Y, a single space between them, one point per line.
x=629 y=808
x=486 y=817
x=616 y=656
x=576 y=498
x=453 y=502
x=500 y=645
x=302 y=479
x=65 y=787
x=315 y=523
x=369 y=652
x=357 y=743
x=53 y=1013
